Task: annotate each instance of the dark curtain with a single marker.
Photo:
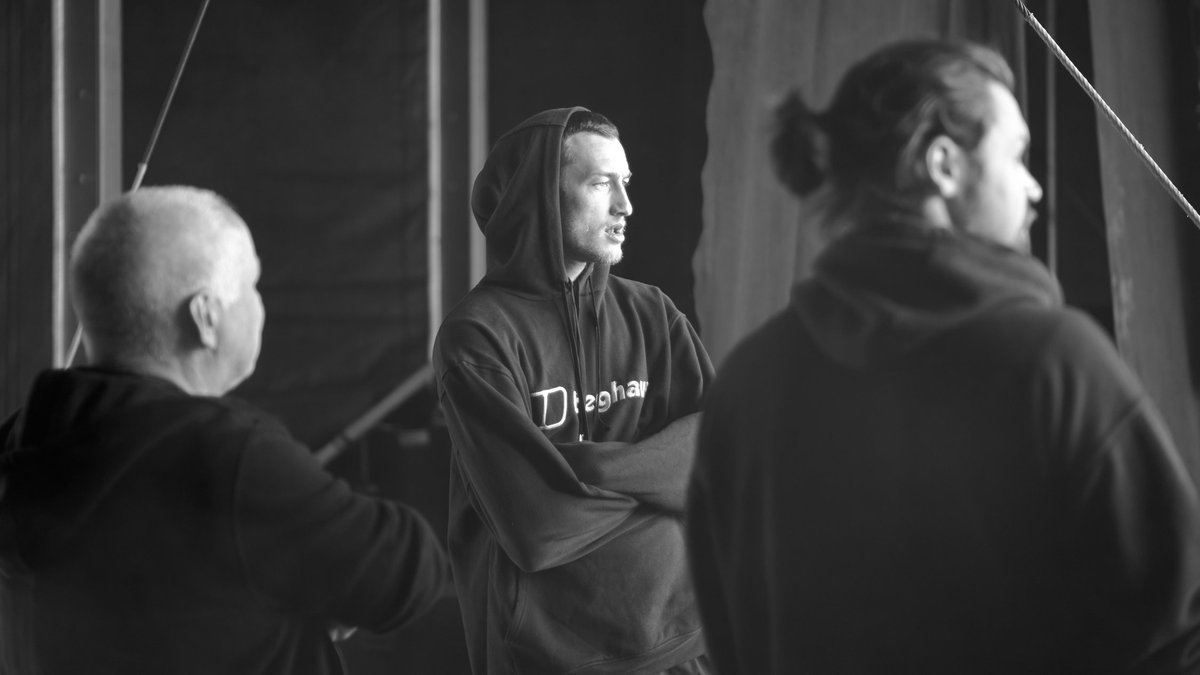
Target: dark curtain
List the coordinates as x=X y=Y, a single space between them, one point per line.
x=1151 y=243
x=26 y=214
x=311 y=119
x=755 y=242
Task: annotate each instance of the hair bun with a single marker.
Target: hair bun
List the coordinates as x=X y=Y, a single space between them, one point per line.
x=800 y=147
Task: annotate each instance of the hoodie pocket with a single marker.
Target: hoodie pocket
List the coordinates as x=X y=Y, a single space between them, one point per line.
x=629 y=599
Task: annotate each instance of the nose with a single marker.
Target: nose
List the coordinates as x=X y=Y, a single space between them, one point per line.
x=1035 y=188
x=621 y=205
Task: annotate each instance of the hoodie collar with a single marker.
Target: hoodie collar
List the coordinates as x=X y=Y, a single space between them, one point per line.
x=62 y=402
x=75 y=438
x=881 y=292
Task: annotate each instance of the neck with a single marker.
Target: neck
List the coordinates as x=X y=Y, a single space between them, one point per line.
x=937 y=213
x=574 y=269
x=193 y=373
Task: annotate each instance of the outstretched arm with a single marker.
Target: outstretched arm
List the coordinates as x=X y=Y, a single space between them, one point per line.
x=318 y=548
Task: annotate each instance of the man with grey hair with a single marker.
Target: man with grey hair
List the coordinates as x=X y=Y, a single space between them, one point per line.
x=148 y=525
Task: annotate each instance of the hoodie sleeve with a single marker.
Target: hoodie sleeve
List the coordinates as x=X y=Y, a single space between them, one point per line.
x=1132 y=526
x=315 y=546
x=691 y=370
x=654 y=470
x=540 y=513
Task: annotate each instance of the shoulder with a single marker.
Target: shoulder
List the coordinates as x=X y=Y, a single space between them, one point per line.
x=1075 y=384
x=781 y=335
x=491 y=328
x=226 y=422
x=256 y=447
x=1042 y=335
x=481 y=311
x=1078 y=358
x=640 y=290
x=640 y=297
x=1074 y=334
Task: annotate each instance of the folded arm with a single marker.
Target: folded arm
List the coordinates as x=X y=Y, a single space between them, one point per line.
x=653 y=470
x=521 y=486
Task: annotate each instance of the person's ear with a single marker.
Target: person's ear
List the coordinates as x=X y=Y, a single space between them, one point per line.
x=946 y=163
x=205 y=311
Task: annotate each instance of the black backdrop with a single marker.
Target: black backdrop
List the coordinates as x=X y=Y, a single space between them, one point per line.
x=310 y=117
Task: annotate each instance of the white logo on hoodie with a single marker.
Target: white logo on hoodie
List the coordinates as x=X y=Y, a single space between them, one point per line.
x=550 y=406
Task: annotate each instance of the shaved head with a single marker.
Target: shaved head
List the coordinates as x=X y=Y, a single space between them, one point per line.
x=142 y=257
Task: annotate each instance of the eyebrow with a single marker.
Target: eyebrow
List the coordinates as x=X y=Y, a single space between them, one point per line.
x=611 y=174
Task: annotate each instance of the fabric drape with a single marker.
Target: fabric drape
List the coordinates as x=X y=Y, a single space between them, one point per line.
x=1149 y=237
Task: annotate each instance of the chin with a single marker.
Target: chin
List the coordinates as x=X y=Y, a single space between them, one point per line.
x=236 y=381
x=610 y=256
x=1020 y=241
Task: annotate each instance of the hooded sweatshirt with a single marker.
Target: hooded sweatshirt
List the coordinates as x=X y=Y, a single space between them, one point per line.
x=566 y=540
x=145 y=530
x=926 y=464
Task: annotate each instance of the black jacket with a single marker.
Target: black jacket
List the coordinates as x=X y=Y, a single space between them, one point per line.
x=926 y=464
x=143 y=530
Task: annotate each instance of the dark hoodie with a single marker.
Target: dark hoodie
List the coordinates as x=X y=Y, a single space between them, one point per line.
x=927 y=465
x=566 y=540
x=143 y=530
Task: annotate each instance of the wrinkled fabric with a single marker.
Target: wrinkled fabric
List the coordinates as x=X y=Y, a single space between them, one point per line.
x=567 y=544
x=144 y=530
x=927 y=464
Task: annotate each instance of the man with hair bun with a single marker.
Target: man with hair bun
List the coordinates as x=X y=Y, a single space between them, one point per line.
x=148 y=525
x=927 y=463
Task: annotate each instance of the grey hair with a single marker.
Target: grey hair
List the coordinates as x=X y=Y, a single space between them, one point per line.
x=140 y=257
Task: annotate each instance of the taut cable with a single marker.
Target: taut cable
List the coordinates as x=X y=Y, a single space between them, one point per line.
x=158 y=125
x=1108 y=112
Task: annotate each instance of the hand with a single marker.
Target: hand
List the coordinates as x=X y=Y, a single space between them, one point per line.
x=338 y=632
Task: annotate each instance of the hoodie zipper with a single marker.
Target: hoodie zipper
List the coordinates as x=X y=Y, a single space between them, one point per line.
x=576 y=357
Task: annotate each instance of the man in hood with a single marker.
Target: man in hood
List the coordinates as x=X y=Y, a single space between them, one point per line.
x=571 y=397
x=927 y=464
x=148 y=525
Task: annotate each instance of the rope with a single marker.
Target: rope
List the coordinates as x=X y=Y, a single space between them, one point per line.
x=1108 y=112
x=77 y=339
x=162 y=113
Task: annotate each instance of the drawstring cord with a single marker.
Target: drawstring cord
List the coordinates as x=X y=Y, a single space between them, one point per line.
x=600 y=423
